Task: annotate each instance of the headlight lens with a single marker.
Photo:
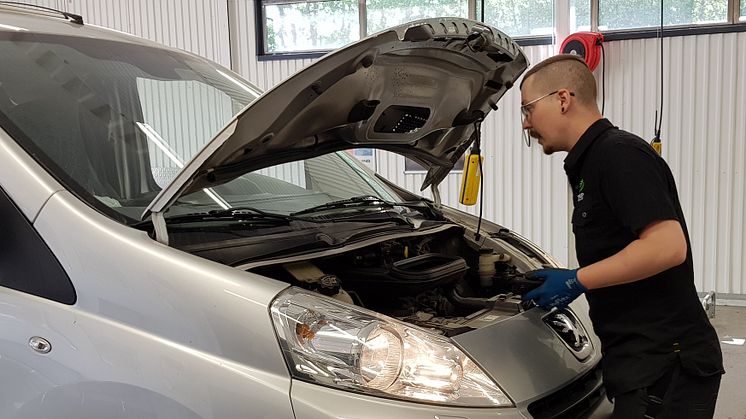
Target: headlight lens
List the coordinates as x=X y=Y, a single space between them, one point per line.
x=334 y=344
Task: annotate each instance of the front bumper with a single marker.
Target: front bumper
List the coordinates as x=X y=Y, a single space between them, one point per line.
x=312 y=401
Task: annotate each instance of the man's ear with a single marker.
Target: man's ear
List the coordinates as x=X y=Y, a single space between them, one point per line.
x=565 y=97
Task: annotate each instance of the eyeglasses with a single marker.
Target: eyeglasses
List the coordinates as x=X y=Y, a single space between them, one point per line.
x=526 y=112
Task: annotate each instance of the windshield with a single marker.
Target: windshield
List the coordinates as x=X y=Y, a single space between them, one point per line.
x=290 y=187
x=113 y=121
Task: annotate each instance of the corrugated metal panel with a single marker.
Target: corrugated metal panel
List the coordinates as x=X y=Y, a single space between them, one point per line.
x=703 y=137
x=198 y=26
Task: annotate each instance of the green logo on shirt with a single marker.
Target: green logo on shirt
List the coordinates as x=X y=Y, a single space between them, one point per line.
x=581 y=185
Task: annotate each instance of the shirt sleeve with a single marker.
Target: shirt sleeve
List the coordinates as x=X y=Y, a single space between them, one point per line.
x=636 y=187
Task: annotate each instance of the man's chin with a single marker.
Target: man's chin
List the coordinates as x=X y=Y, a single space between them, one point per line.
x=547 y=149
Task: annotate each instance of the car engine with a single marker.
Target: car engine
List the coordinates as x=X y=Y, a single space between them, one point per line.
x=445 y=282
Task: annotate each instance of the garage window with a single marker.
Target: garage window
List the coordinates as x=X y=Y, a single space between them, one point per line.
x=382 y=14
x=321 y=25
x=289 y=27
x=520 y=18
x=628 y=14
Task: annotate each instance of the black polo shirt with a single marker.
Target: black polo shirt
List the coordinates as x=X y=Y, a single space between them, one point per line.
x=620 y=186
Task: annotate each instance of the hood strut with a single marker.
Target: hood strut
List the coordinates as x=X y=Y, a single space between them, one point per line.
x=159 y=224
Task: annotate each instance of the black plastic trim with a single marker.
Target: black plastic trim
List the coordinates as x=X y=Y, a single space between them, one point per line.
x=527 y=41
x=300 y=55
x=574 y=401
x=26 y=262
x=668 y=32
x=78 y=19
x=259 y=25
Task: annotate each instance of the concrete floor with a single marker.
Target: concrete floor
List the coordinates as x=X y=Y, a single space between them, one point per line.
x=730 y=322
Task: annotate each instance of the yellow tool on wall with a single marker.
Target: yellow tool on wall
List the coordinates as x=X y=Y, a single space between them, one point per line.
x=472 y=181
x=657 y=144
x=472 y=176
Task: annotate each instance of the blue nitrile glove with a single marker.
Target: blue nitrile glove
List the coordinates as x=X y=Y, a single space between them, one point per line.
x=560 y=287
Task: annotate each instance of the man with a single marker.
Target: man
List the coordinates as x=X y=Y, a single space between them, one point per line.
x=661 y=355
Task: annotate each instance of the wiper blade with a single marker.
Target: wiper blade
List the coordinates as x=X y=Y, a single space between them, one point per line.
x=247 y=211
x=354 y=202
x=236 y=213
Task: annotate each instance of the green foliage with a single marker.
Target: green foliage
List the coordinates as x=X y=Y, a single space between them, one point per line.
x=622 y=14
x=269 y=36
x=311 y=25
x=382 y=14
x=327 y=24
x=520 y=17
x=582 y=13
x=318 y=13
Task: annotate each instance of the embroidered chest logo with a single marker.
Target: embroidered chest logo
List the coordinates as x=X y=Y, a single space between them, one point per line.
x=580 y=188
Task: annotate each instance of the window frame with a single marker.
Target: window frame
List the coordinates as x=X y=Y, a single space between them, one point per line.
x=733 y=24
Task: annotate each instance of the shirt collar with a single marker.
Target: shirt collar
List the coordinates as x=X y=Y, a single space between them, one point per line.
x=594 y=131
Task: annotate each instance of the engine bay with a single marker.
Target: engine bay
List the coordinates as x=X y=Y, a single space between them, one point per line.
x=447 y=282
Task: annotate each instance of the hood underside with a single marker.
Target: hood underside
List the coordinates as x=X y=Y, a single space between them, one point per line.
x=416 y=89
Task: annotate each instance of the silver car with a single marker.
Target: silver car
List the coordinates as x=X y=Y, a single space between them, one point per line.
x=152 y=269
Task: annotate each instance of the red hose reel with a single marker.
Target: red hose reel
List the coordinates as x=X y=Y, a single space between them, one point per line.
x=586 y=45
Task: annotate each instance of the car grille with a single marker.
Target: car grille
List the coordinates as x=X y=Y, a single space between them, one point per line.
x=574 y=401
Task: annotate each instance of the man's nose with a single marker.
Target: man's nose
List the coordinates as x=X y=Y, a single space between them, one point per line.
x=525 y=123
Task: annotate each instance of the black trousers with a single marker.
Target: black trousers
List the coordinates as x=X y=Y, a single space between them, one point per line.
x=682 y=396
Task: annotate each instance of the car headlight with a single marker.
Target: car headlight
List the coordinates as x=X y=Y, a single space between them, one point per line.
x=338 y=345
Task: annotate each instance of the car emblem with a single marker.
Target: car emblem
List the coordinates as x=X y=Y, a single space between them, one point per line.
x=567 y=326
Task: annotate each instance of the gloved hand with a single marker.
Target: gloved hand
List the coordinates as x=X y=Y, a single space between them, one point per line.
x=560 y=287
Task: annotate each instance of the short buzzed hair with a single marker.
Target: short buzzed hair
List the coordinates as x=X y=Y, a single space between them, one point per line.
x=565 y=71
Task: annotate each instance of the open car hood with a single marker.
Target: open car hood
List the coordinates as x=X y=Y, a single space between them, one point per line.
x=415 y=89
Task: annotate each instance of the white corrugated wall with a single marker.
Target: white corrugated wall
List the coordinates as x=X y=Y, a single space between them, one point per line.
x=198 y=26
x=704 y=138
x=704 y=128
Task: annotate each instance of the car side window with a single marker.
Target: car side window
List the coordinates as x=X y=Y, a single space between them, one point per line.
x=26 y=263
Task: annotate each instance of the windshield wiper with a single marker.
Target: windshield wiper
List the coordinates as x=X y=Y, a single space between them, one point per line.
x=354 y=202
x=237 y=213
x=247 y=212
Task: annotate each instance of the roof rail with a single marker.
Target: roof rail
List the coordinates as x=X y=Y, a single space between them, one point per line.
x=71 y=16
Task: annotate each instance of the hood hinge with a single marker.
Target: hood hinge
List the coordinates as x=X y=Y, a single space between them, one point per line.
x=435 y=189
